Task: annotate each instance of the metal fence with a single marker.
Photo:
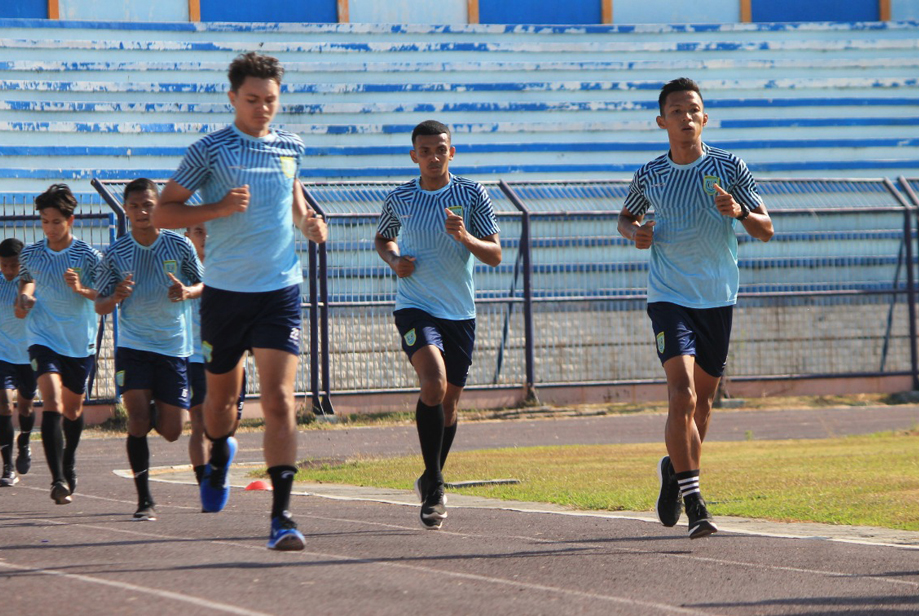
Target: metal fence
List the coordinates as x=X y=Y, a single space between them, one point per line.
x=833 y=293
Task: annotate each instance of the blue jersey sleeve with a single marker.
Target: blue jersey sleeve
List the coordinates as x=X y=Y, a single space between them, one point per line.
x=389 y=223
x=483 y=222
x=106 y=276
x=195 y=168
x=744 y=188
x=635 y=201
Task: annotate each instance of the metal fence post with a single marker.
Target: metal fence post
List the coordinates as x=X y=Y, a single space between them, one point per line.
x=323 y=402
x=530 y=395
x=908 y=212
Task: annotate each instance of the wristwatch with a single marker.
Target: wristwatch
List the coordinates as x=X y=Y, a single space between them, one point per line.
x=743 y=213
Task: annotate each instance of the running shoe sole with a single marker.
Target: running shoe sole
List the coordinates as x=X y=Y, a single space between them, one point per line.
x=60 y=494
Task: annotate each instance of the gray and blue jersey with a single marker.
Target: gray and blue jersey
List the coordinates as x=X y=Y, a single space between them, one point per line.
x=251 y=251
x=13 y=346
x=148 y=319
x=61 y=320
x=442 y=283
x=694 y=252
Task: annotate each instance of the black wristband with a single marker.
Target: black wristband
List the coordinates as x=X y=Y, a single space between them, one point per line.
x=743 y=214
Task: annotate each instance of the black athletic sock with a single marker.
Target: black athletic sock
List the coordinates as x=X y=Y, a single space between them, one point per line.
x=282 y=481
x=139 y=457
x=220 y=451
x=6 y=439
x=430 y=422
x=26 y=423
x=73 y=429
x=199 y=472
x=52 y=439
x=449 y=435
x=689 y=482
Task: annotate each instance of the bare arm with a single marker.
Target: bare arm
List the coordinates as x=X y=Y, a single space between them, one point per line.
x=311 y=225
x=759 y=224
x=487 y=249
x=123 y=290
x=25 y=300
x=172 y=211
x=630 y=228
x=388 y=250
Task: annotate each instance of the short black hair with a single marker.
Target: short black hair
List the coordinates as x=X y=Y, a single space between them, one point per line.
x=10 y=247
x=59 y=197
x=253 y=64
x=683 y=84
x=140 y=185
x=431 y=127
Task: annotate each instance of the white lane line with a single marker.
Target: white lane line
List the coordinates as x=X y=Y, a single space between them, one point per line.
x=672 y=609
x=161 y=594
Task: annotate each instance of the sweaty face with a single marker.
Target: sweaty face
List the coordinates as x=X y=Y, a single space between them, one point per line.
x=256 y=103
x=433 y=154
x=9 y=266
x=55 y=225
x=138 y=206
x=684 y=116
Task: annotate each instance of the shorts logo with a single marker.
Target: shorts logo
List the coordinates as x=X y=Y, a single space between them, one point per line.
x=207 y=351
x=171 y=267
x=410 y=337
x=660 y=342
x=119 y=378
x=709 y=182
x=295 y=334
x=34 y=363
x=456 y=209
x=288 y=166
x=184 y=395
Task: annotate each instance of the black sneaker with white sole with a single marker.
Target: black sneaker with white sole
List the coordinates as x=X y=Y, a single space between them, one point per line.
x=433 y=508
x=669 y=504
x=701 y=523
x=145 y=512
x=9 y=477
x=60 y=494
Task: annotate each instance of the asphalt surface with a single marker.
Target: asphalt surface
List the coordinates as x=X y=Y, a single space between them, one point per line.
x=367 y=554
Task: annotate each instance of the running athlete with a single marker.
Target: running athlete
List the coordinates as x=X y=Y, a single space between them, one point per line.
x=444 y=222
x=246 y=175
x=16 y=376
x=197 y=442
x=697 y=193
x=56 y=298
x=150 y=275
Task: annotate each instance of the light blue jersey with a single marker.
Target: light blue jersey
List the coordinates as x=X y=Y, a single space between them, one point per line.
x=148 y=320
x=694 y=251
x=61 y=320
x=197 y=355
x=13 y=346
x=251 y=251
x=442 y=283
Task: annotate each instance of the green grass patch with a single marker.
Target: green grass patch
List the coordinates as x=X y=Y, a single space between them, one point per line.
x=865 y=480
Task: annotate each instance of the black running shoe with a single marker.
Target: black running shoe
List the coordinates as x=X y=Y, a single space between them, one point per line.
x=433 y=509
x=701 y=523
x=669 y=504
x=24 y=457
x=145 y=513
x=70 y=474
x=60 y=494
x=9 y=477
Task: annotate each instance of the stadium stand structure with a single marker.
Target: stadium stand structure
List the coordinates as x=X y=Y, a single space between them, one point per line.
x=110 y=100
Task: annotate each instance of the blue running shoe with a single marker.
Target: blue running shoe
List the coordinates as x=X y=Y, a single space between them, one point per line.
x=215 y=484
x=284 y=535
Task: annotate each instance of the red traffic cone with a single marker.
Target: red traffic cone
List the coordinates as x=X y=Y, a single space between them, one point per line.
x=258 y=484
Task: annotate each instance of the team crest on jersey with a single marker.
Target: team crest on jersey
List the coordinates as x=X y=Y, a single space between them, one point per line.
x=709 y=182
x=288 y=166
x=456 y=209
x=660 y=342
x=410 y=337
x=171 y=267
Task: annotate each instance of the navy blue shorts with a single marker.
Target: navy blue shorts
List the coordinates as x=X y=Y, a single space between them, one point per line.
x=73 y=370
x=165 y=377
x=704 y=333
x=198 y=382
x=233 y=323
x=19 y=377
x=455 y=339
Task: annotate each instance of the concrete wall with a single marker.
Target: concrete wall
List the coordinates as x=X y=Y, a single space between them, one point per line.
x=668 y=11
x=124 y=10
x=408 y=12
